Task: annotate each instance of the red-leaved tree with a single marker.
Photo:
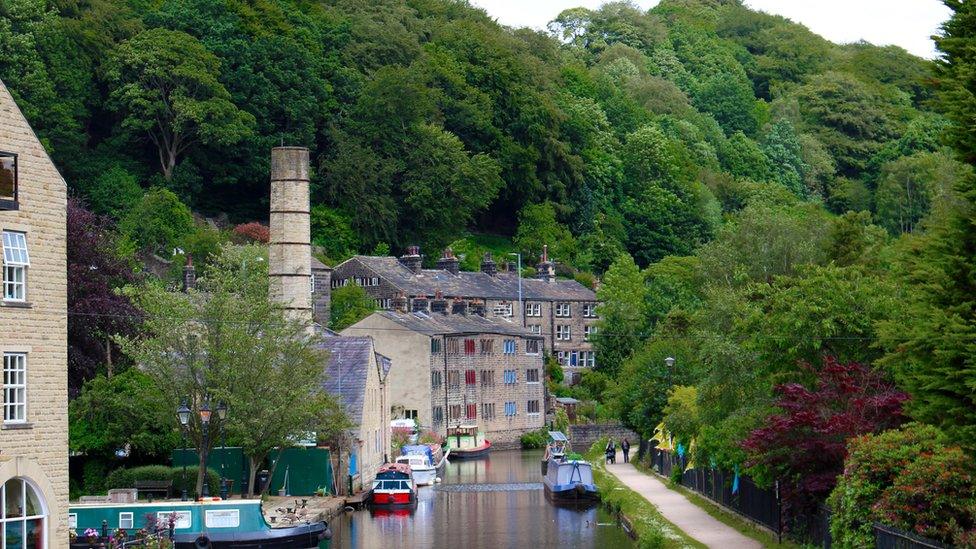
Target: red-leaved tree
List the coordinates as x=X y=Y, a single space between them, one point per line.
x=804 y=445
x=253 y=231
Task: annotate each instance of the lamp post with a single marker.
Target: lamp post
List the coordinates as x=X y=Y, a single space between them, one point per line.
x=518 y=275
x=183 y=414
x=670 y=363
x=222 y=415
x=205 y=424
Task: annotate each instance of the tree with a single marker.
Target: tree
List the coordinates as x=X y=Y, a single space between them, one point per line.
x=97 y=312
x=623 y=314
x=159 y=222
x=785 y=153
x=911 y=186
x=165 y=84
x=681 y=416
x=537 y=228
x=349 y=305
x=227 y=342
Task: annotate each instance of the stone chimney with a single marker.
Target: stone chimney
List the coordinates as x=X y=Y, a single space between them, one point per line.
x=439 y=304
x=449 y=262
x=289 y=249
x=488 y=265
x=400 y=303
x=412 y=259
x=546 y=269
x=459 y=306
x=189 y=274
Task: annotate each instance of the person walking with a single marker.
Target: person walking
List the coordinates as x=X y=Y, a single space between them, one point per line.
x=611 y=452
x=625 y=446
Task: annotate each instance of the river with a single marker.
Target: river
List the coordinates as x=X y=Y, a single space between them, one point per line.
x=494 y=502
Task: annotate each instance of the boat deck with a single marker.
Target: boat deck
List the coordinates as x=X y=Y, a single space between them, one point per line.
x=316 y=509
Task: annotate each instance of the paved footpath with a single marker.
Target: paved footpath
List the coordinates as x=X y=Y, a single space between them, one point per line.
x=687 y=516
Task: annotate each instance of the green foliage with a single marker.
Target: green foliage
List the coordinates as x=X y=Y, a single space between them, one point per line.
x=114 y=192
x=681 y=417
x=127 y=478
x=349 y=305
x=537 y=227
x=158 y=222
x=332 y=230
x=909 y=187
x=623 y=319
x=534 y=439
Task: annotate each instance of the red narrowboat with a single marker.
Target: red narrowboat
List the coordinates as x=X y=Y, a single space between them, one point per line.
x=394 y=487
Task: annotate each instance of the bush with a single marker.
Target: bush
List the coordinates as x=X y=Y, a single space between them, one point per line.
x=126 y=478
x=534 y=439
x=873 y=463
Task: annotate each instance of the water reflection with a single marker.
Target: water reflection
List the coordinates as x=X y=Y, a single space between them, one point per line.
x=495 y=502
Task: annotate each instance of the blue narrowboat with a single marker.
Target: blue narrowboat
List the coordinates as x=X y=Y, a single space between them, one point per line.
x=197 y=524
x=567 y=478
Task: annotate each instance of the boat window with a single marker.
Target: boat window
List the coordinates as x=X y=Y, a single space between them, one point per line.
x=125 y=521
x=180 y=519
x=223 y=518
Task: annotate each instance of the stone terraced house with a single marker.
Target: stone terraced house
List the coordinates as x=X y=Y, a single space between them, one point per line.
x=562 y=311
x=33 y=339
x=454 y=368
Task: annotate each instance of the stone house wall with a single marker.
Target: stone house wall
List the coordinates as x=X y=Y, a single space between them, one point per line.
x=38 y=449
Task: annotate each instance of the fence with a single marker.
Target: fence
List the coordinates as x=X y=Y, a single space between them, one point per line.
x=887 y=537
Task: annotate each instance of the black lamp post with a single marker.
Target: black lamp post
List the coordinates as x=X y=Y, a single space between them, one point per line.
x=670 y=362
x=205 y=423
x=222 y=415
x=183 y=414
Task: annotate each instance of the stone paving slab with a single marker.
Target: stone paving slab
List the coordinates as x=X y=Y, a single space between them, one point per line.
x=673 y=506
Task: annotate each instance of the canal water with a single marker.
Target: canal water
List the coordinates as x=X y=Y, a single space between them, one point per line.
x=494 y=502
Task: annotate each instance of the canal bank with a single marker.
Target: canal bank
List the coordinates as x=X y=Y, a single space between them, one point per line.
x=490 y=503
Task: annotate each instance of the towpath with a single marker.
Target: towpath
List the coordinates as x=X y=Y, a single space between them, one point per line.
x=687 y=516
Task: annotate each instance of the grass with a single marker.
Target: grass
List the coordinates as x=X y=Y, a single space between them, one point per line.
x=472 y=247
x=725 y=516
x=652 y=529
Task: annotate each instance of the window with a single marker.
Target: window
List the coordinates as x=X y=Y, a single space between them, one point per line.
x=311 y=284
x=469 y=346
x=419 y=306
x=588 y=358
x=510 y=409
x=588 y=331
x=564 y=332
x=510 y=377
x=533 y=309
x=453 y=346
x=562 y=310
x=125 y=521
x=14 y=388
x=532 y=346
x=339 y=282
x=471 y=411
x=532 y=375
x=410 y=414
x=470 y=377
x=72 y=520
x=488 y=411
x=487 y=378
x=438 y=414
x=502 y=309
x=532 y=407
x=23 y=518
x=562 y=357
x=574 y=358
x=15 y=264
x=509 y=346
x=589 y=310
x=454 y=379
x=487 y=346
x=455 y=410
x=384 y=304
x=535 y=328
x=8 y=181
x=435 y=379
x=435 y=346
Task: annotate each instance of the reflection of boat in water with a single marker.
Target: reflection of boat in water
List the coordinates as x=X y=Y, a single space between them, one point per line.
x=467 y=442
x=393 y=487
x=421 y=460
x=567 y=477
x=217 y=524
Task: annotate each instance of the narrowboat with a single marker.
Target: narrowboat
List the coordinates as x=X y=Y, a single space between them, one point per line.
x=420 y=458
x=393 y=487
x=196 y=524
x=568 y=478
x=556 y=448
x=467 y=442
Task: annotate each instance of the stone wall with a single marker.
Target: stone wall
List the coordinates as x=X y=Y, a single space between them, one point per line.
x=583 y=436
x=38 y=449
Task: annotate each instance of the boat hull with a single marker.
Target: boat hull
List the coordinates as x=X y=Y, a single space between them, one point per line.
x=574 y=494
x=295 y=537
x=424 y=477
x=471 y=453
x=396 y=500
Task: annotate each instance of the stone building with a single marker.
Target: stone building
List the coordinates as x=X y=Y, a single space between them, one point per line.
x=33 y=339
x=461 y=368
x=357 y=375
x=562 y=311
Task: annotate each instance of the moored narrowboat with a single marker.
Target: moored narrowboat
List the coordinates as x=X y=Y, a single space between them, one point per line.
x=567 y=477
x=467 y=442
x=393 y=487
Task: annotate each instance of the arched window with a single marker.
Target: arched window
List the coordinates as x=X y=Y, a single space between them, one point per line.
x=23 y=516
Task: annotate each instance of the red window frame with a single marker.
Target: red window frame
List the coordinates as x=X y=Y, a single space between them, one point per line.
x=469 y=346
x=472 y=411
x=470 y=377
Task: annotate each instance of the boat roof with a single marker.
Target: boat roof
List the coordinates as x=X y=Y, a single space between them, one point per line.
x=558 y=436
x=395 y=467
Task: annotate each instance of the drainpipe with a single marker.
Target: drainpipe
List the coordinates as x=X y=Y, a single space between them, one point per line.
x=445 y=383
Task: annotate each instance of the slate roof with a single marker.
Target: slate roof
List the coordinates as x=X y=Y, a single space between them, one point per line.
x=472 y=284
x=318 y=265
x=347 y=371
x=455 y=324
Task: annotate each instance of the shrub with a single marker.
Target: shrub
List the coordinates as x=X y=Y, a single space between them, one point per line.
x=253 y=232
x=534 y=439
x=126 y=478
x=873 y=463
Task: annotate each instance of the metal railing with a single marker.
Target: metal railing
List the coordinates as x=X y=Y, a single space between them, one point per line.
x=889 y=537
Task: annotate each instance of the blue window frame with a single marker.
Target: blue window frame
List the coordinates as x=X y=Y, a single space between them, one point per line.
x=509 y=346
x=509 y=408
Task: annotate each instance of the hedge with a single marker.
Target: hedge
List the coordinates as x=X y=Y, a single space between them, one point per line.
x=127 y=478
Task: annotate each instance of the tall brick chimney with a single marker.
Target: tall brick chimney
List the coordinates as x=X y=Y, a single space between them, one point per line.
x=189 y=274
x=412 y=259
x=290 y=249
x=546 y=269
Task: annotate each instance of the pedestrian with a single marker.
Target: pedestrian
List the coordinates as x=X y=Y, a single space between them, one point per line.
x=625 y=446
x=611 y=452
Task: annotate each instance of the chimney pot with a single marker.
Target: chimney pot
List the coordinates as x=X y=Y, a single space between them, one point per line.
x=189 y=274
x=546 y=269
x=488 y=265
x=448 y=262
x=412 y=259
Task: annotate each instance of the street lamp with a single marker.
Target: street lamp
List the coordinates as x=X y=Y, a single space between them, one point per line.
x=222 y=415
x=183 y=414
x=670 y=363
x=518 y=275
x=205 y=423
